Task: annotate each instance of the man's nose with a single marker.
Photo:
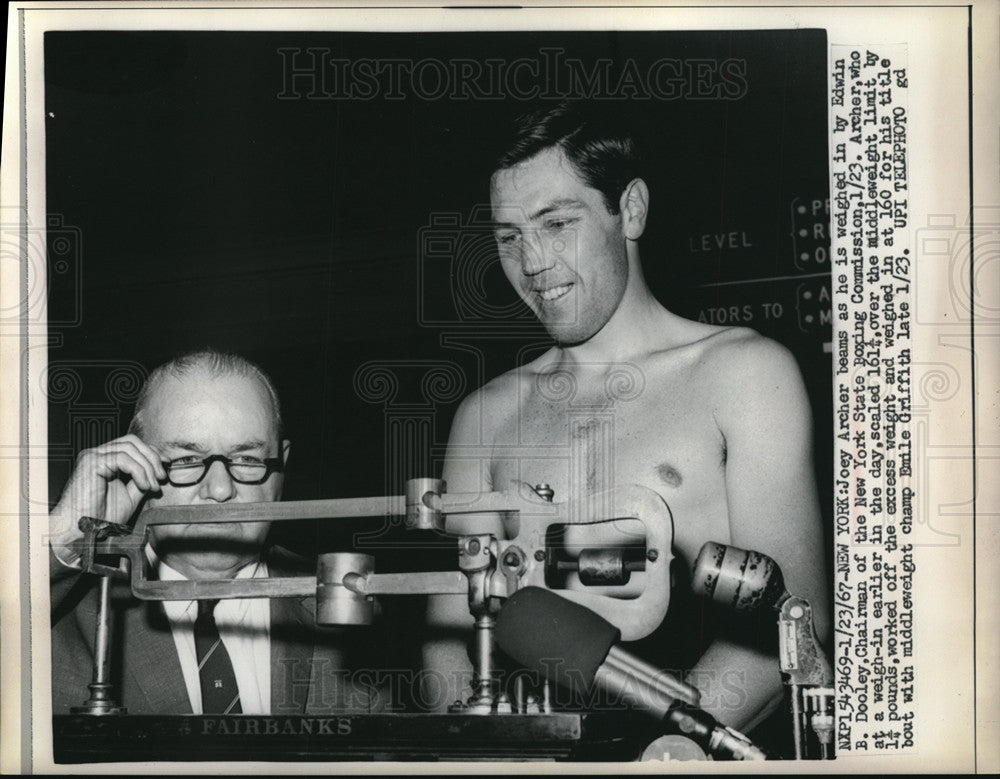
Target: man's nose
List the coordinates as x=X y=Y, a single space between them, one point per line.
x=536 y=256
x=217 y=485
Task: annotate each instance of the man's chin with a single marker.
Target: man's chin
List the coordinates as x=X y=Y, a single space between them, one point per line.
x=567 y=335
x=208 y=539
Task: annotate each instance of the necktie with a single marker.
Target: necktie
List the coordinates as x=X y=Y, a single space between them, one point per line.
x=219 y=693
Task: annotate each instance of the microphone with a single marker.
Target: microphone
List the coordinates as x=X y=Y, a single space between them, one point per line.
x=575 y=647
x=741 y=579
x=746 y=581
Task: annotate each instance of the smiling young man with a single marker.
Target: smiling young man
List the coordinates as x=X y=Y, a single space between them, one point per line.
x=207 y=431
x=715 y=420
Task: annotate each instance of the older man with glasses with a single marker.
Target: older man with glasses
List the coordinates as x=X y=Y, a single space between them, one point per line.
x=207 y=430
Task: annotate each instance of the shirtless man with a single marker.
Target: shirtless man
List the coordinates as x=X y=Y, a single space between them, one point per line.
x=715 y=420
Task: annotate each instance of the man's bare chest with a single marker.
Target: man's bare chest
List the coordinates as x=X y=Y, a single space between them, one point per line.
x=669 y=445
x=583 y=444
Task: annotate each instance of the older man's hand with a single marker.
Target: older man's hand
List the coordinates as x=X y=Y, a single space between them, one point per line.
x=108 y=482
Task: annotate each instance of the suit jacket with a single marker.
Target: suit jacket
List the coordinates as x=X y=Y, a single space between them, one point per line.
x=314 y=670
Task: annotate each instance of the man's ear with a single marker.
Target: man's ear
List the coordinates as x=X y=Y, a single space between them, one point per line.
x=286 y=447
x=634 y=206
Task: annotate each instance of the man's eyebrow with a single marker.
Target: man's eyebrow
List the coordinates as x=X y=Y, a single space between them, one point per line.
x=548 y=208
x=246 y=446
x=555 y=205
x=185 y=445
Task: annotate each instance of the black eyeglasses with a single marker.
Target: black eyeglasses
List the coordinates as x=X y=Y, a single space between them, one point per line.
x=185 y=471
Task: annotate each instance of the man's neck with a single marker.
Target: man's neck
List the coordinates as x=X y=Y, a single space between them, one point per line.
x=630 y=334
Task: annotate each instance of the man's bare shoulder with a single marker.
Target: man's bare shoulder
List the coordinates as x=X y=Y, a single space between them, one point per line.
x=721 y=351
x=502 y=390
x=738 y=350
x=727 y=366
x=490 y=406
x=751 y=377
x=510 y=387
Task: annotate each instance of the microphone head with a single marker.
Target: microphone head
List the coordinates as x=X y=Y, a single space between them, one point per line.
x=559 y=639
x=673 y=748
x=740 y=579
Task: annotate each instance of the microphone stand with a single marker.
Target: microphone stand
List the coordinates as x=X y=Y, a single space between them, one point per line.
x=745 y=580
x=807 y=674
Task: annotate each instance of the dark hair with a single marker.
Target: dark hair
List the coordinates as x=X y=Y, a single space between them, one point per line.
x=216 y=363
x=589 y=134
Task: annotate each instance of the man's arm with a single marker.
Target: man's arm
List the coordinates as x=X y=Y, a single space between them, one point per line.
x=764 y=414
x=108 y=482
x=447 y=667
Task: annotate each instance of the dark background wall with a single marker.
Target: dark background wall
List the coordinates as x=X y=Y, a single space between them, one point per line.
x=227 y=189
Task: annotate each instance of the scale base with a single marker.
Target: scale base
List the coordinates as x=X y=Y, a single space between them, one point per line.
x=591 y=736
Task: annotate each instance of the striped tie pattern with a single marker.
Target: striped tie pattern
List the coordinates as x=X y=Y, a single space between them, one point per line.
x=219 y=693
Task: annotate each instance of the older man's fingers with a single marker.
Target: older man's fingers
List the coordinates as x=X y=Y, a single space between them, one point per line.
x=128 y=458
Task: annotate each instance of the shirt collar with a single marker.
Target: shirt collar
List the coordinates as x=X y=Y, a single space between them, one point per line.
x=256 y=569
